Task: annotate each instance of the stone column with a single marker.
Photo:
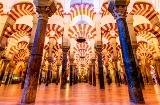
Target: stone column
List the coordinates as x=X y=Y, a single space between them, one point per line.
x=100 y=66
x=40 y=75
x=118 y=10
x=64 y=65
x=148 y=72
x=48 y=81
x=31 y=81
x=57 y=77
x=74 y=74
x=117 y=78
x=5 y=63
x=94 y=73
x=71 y=71
x=90 y=73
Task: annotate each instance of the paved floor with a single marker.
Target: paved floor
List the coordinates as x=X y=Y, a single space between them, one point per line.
x=80 y=94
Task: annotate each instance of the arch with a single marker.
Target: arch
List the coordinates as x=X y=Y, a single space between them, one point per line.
x=85 y=34
x=82 y=46
x=60 y=10
x=54 y=27
x=82 y=9
x=19 y=34
x=149 y=28
x=21 y=9
x=145 y=9
x=104 y=9
x=81 y=27
x=108 y=47
x=147 y=35
x=108 y=27
x=20 y=55
x=15 y=28
x=146 y=46
x=20 y=46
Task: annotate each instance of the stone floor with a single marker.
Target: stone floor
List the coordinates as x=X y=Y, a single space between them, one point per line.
x=80 y=94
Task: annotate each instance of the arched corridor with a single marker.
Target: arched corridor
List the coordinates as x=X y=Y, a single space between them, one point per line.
x=87 y=47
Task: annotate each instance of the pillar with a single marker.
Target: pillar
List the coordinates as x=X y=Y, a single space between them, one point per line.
x=57 y=76
x=93 y=73
x=31 y=81
x=48 y=81
x=118 y=10
x=64 y=65
x=157 y=70
x=5 y=63
x=117 y=78
x=71 y=71
x=9 y=75
x=148 y=72
x=74 y=73
x=90 y=74
x=98 y=48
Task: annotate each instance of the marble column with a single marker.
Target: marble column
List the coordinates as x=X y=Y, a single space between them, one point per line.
x=57 y=77
x=31 y=80
x=5 y=63
x=157 y=69
x=71 y=71
x=100 y=66
x=64 y=65
x=117 y=78
x=94 y=73
x=118 y=10
x=74 y=74
x=148 y=72
x=40 y=76
x=48 y=81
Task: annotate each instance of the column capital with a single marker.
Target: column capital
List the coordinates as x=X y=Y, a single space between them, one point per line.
x=98 y=46
x=71 y=60
x=2 y=54
x=65 y=49
x=49 y=59
x=58 y=64
x=93 y=61
x=45 y=8
x=118 y=8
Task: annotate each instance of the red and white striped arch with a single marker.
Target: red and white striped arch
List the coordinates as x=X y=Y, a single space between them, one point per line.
x=82 y=46
x=20 y=46
x=85 y=34
x=21 y=9
x=60 y=10
x=104 y=9
x=81 y=27
x=149 y=28
x=148 y=56
x=1 y=8
x=19 y=34
x=54 y=27
x=145 y=46
x=145 y=9
x=145 y=34
x=55 y=48
x=108 y=47
x=108 y=27
x=82 y=9
x=15 y=28
x=20 y=55
x=82 y=52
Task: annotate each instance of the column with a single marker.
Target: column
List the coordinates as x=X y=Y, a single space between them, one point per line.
x=74 y=73
x=64 y=65
x=31 y=81
x=98 y=48
x=116 y=71
x=57 y=77
x=90 y=73
x=48 y=81
x=148 y=72
x=118 y=10
x=9 y=75
x=5 y=63
x=93 y=73
x=71 y=71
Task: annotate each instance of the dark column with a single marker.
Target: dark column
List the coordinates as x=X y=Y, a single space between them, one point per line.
x=157 y=70
x=64 y=65
x=94 y=73
x=31 y=80
x=90 y=74
x=118 y=10
x=117 y=77
x=71 y=71
x=74 y=74
x=100 y=66
x=48 y=81
x=7 y=79
x=57 y=78
x=5 y=62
